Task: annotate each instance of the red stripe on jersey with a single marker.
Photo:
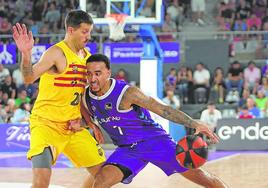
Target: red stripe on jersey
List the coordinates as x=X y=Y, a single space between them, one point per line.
x=69 y=85
x=72 y=78
x=78 y=66
x=76 y=72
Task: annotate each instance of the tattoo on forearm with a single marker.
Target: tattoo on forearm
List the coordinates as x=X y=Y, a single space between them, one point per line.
x=27 y=70
x=177 y=116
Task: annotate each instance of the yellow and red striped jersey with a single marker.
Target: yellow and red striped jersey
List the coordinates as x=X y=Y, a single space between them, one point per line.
x=60 y=94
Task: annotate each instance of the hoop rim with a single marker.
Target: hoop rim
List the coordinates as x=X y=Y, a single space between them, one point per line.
x=119 y=18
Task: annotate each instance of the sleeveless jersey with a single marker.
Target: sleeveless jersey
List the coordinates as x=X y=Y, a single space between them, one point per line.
x=60 y=94
x=123 y=126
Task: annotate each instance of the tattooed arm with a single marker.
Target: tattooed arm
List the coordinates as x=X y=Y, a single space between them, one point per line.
x=135 y=96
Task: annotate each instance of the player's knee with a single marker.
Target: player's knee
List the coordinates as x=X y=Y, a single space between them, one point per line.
x=102 y=181
x=41 y=178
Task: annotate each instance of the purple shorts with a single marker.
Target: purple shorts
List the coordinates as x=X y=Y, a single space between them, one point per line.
x=160 y=151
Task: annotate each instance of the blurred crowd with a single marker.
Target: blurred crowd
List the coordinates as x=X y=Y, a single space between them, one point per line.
x=245 y=87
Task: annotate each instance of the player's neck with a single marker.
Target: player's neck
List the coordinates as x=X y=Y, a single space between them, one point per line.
x=105 y=88
x=72 y=45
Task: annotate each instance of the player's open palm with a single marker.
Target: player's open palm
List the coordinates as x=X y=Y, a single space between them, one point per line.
x=24 y=39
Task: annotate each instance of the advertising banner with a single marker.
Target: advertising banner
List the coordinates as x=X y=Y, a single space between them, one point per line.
x=242 y=134
x=132 y=52
x=14 y=137
x=8 y=54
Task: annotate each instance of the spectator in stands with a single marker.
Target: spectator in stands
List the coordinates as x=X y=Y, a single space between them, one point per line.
x=121 y=75
x=9 y=109
x=198 y=10
x=201 y=83
x=252 y=76
x=259 y=7
x=264 y=71
x=264 y=85
x=171 y=80
x=252 y=108
x=147 y=10
x=22 y=98
x=211 y=116
x=261 y=102
x=243 y=10
x=17 y=77
x=176 y=13
x=169 y=26
x=9 y=87
x=235 y=78
x=253 y=23
x=245 y=113
x=171 y=99
x=4 y=98
x=4 y=72
x=201 y=76
x=2 y=113
x=21 y=114
x=243 y=99
x=225 y=17
x=52 y=16
x=262 y=50
x=239 y=25
x=5 y=26
x=184 y=80
x=43 y=39
x=218 y=86
x=38 y=10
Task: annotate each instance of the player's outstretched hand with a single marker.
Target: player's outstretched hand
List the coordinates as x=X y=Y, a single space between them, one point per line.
x=203 y=128
x=98 y=135
x=24 y=39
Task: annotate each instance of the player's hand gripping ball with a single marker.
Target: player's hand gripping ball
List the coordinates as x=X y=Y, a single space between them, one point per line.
x=191 y=151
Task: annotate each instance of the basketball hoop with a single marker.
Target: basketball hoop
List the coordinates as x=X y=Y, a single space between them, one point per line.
x=116 y=26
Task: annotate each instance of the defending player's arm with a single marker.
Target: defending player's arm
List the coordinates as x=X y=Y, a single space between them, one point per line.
x=134 y=95
x=24 y=41
x=89 y=123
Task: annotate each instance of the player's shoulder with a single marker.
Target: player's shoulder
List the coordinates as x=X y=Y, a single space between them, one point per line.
x=54 y=51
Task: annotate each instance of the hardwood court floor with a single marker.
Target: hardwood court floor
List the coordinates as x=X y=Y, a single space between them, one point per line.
x=238 y=171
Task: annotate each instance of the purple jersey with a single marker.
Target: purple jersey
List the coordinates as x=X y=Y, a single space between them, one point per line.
x=124 y=126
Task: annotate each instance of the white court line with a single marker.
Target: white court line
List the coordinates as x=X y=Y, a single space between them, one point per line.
x=23 y=185
x=224 y=158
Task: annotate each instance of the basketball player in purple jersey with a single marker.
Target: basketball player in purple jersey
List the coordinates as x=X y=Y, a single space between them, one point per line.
x=122 y=111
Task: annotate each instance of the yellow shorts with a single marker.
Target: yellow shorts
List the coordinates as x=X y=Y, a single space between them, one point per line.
x=80 y=147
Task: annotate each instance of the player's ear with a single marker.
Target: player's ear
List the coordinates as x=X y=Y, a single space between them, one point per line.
x=109 y=73
x=70 y=29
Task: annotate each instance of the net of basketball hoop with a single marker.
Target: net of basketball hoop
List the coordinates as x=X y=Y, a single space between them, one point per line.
x=117 y=24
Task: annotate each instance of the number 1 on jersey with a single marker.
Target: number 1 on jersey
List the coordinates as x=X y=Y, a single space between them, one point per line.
x=119 y=129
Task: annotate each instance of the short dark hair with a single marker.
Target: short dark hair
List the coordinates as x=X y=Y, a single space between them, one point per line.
x=75 y=17
x=99 y=58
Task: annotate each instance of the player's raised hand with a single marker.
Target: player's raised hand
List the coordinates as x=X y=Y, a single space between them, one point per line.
x=201 y=127
x=24 y=39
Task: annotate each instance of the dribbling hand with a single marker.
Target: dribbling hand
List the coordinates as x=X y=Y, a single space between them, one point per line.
x=203 y=128
x=24 y=39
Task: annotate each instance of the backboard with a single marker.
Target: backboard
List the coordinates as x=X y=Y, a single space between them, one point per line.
x=138 y=11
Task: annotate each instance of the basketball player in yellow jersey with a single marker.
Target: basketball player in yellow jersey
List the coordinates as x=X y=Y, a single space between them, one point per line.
x=62 y=71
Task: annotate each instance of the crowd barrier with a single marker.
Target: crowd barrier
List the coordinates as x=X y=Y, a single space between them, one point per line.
x=235 y=134
x=242 y=134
